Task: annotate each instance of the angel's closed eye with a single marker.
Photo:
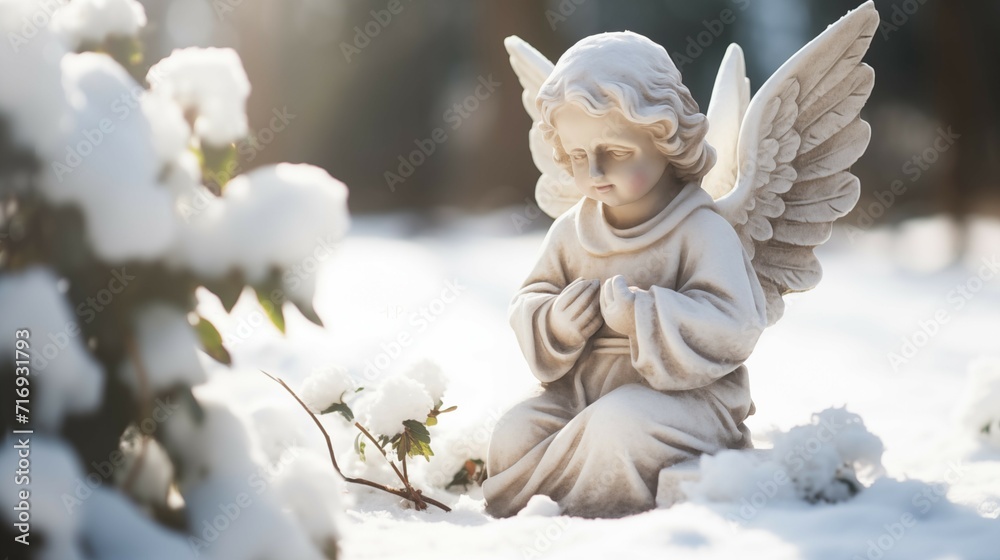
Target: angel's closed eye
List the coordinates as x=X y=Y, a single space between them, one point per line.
x=620 y=154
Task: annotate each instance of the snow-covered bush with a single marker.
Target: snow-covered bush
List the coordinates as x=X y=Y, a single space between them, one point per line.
x=980 y=411
x=108 y=225
x=814 y=462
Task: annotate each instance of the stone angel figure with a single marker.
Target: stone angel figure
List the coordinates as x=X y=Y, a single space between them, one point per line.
x=676 y=235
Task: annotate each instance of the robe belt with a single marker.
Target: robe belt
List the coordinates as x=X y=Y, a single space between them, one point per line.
x=610 y=345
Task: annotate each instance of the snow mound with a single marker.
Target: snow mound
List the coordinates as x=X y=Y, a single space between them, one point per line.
x=113 y=527
x=325 y=387
x=92 y=21
x=107 y=164
x=814 y=462
x=980 y=411
x=540 y=506
x=394 y=401
x=54 y=473
x=306 y=213
x=65 y=378
x=430 y=375
x=36 y=106
x=311 y=490
x=171 y=133
x=212 y=83
x=240 y=518
x=277 y=430
x=166 y=344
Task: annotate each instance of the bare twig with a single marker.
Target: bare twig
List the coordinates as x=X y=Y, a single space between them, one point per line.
x=402 y=475
x=410 y=493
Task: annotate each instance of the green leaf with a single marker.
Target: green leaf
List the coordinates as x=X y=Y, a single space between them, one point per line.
x=211 y=340
x=273 y=311
x=308 y=311
x=415 y=441
x=359 y=446
x=227 y=290
x=418 y=430
x=191 y=404
x=127 y=51
x=431 y=421
x=218 y=166
x=342 y=409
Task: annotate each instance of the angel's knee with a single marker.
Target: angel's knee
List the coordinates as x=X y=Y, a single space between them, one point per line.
x=517 y=432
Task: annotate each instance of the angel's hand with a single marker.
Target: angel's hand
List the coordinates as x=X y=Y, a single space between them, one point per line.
x=576 y=313
x=618 y=305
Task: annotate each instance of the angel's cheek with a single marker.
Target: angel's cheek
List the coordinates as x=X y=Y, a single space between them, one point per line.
x=640 y=179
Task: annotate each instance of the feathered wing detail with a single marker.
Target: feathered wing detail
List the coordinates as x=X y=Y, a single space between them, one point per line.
x=554 y=191
x=730 y=98
x=800 y=135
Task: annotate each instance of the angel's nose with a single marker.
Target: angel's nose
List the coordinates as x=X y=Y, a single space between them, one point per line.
x=596 y=167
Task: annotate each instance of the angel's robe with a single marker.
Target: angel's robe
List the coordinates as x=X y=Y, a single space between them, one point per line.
x=610 y=414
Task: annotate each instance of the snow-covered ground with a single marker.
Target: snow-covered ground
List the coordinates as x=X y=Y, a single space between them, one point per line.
x=392 y=295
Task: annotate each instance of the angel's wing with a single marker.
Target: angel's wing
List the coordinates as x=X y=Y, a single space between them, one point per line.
x=554 y=192
x=789 y=167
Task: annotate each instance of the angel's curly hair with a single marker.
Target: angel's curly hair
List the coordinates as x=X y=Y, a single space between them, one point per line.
x=627 y=72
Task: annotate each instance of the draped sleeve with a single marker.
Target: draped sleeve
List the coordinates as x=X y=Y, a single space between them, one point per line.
x=529 y=311
x=704 y=329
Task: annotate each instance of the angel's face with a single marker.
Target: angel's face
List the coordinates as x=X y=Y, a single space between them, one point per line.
x=614 y=161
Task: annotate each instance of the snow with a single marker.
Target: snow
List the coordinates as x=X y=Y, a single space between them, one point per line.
x=64 y=377
x=216 y=444
x=325 y=387
x=212 y=83
x=939 y=496
x=311 y=491
x=37 y=107
x=107 y=163
x=93 y=21
x=304 y=208
x=229 y=487
x=980 y=413
x=240 y=518
x=394 y=401
x=540 y=506
x=277 y=430
x=813 y=462
x=150 y=484
x=171 y=133
x=431 y=376
x=54 y=472
x=168 y=347
x=115 y=529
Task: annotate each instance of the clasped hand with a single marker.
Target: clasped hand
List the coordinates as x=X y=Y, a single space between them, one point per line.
x=584 y=305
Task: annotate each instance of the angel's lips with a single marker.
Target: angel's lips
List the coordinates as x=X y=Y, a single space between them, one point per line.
x=604 y=188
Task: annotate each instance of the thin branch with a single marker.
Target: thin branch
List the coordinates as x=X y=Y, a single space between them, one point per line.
x=382 y=451
x=413 y=495
x=402 y=475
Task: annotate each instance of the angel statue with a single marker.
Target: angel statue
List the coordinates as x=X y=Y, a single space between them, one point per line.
x=672 y=247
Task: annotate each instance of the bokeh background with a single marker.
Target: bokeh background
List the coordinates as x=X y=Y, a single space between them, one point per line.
x=365 y=82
